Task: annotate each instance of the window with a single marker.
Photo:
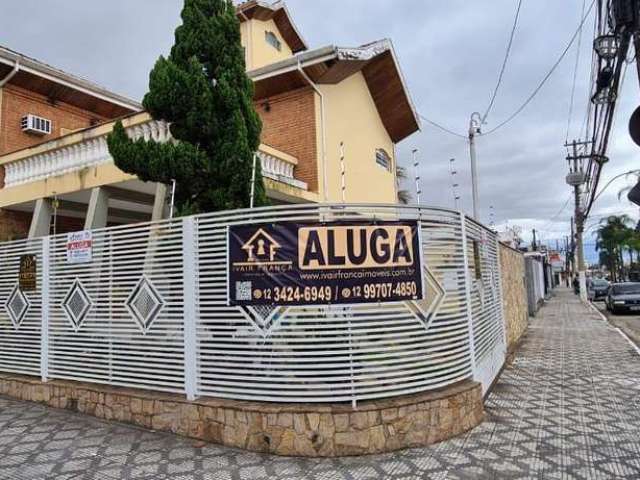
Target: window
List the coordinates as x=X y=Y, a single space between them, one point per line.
x=383 y=159
x=272 y=40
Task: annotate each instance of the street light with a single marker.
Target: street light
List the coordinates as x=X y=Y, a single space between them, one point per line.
x=606 y=46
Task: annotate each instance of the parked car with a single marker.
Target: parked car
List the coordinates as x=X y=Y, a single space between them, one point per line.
x=598 y=289
x=623 y=297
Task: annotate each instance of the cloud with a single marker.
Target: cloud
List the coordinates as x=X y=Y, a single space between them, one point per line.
x=450 y=52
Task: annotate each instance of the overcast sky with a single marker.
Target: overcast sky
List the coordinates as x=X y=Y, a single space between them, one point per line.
x=451 y=54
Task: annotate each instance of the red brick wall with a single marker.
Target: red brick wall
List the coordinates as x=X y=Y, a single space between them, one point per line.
x=17 y=102
x=14 y=225
x=290 y=126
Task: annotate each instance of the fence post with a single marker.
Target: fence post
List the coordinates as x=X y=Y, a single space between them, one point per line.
x=467 y=290
x=44 y=326
x=190 y=286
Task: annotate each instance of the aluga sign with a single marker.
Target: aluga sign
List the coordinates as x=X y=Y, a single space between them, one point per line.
x=335 y=263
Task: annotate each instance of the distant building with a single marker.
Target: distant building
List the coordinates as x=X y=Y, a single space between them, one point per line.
x=311 y=102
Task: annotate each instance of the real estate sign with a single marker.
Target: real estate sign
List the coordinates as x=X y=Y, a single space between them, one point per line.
x=79 y=247
x=318 y=264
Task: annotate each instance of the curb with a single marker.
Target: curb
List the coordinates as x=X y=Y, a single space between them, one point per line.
x=618 y=329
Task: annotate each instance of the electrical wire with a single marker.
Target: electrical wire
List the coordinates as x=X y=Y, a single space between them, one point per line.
x=564 y=207
x=444 y=129
x=575 y=74
x=603 y=133
x=505 y=61
x=547 y=76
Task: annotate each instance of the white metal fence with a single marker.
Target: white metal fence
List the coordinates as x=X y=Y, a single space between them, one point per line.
x=150 y=311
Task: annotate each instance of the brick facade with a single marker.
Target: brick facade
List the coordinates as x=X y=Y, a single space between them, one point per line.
x=17 y=102
x=14 y=225
x=289 y=125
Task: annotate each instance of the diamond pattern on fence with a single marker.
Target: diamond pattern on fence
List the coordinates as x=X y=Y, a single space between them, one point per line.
x=145 y=304
x=76 y=305
x=111 y=346
x=17 y=306
x=21 y=312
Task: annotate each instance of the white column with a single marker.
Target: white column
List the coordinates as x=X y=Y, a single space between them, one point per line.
x=44 y=327
x=98 y=210
x=41 y=220
x=190 y=299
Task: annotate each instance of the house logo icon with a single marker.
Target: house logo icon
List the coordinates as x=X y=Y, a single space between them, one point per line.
x=261 y=248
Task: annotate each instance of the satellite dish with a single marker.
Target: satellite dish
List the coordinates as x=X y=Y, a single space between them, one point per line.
x=634 y=126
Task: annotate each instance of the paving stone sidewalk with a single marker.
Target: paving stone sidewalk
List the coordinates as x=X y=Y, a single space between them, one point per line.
x=568 y=408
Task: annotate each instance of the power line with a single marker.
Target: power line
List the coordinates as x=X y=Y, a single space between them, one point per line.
x=504 y=63
x=444 y=129
x=564 y=207
x=547 y=76
x=575 y=74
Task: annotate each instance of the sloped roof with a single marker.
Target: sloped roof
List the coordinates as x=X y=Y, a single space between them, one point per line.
x=277 y=12
x=330 y=65
x=59 y=85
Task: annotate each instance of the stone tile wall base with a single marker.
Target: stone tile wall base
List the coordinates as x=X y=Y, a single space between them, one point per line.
x=306 y=430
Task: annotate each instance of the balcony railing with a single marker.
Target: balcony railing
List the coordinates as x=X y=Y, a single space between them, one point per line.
x=91 y=149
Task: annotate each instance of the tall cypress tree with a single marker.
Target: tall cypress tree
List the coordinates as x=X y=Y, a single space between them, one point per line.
x=203 y=91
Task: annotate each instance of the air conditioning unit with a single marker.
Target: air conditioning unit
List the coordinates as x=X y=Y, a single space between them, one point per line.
x=36 y=125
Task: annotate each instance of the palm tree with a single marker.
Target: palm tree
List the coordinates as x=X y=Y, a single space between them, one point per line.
x=404 y=197
x=613 y=238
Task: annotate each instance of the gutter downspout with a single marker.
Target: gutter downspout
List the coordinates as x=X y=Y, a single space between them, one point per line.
x=11 y=74
x=325 y=191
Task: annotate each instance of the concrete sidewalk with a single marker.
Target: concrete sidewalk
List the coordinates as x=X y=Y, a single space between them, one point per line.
x=568 y=407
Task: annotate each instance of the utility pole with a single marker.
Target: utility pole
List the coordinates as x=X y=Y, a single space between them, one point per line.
x=567 y=260
x=475 y=125
x=576 y=179
x=573 y=248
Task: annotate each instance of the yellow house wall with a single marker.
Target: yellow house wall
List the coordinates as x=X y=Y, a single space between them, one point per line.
x=258 y=52
x=352 y=118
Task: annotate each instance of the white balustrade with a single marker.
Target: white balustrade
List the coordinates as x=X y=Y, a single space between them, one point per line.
x=95 y=151
x=280 y=170
x=78 y=156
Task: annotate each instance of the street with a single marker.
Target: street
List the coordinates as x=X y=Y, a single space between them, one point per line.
x=567 y=407
x=627 y=322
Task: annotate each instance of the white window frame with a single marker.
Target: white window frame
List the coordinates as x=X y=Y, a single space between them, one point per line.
x=389 y=160
x=273 y=40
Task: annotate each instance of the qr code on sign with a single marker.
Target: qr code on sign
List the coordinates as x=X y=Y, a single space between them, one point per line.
x=243 y=291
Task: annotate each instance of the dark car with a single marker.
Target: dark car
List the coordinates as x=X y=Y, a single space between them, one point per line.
x=598 y=289
x=624 y=297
